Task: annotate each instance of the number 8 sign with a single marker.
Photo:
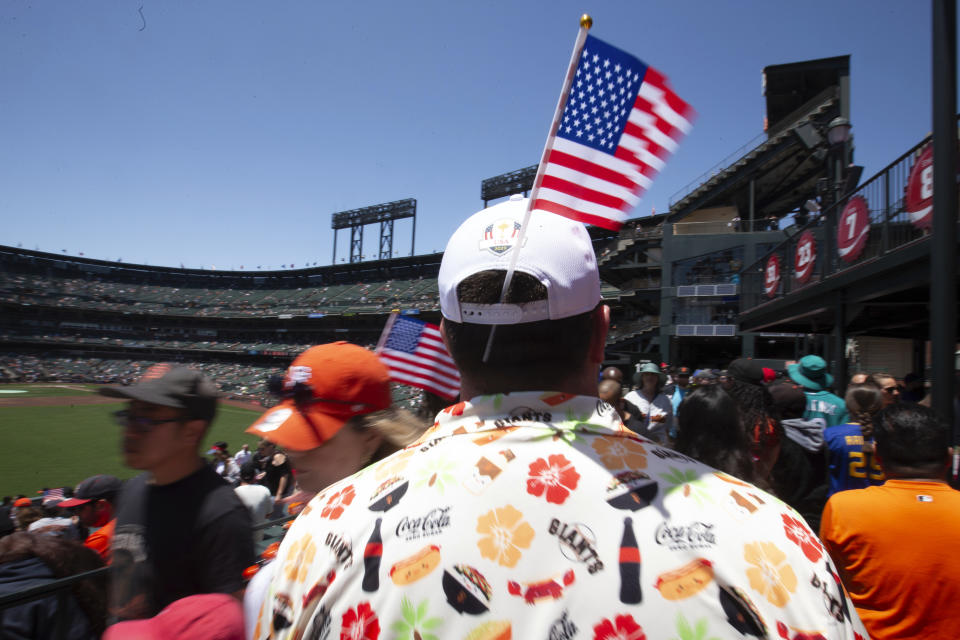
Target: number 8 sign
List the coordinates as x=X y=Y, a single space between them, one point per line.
x=805 y=257
x=853 y=227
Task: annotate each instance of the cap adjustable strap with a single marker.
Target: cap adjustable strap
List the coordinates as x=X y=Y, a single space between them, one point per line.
x=504 y=313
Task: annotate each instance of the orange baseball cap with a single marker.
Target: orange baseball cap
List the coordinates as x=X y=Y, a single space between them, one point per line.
x=324 y=387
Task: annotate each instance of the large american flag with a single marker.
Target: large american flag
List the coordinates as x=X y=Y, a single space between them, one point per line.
x=415 y=354
x=620 y=124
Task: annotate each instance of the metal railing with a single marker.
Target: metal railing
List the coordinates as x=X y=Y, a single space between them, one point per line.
x=889 y=228
x=718 y=168
x=62 y=586
x=724 y=226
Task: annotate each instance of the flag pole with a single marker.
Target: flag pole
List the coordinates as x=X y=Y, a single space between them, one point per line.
x=585 y=23
x=386 y=331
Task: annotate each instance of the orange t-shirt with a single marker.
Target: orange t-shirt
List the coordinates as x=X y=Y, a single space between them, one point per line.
x=100 y=540
x=894 y=549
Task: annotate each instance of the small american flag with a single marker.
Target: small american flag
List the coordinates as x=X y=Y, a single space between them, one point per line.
x=53 y=495
x=620 y=124
x=415 y=354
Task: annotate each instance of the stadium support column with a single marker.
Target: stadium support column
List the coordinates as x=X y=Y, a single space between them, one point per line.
x=943 y=242
x=334 y=247
x=840 y=341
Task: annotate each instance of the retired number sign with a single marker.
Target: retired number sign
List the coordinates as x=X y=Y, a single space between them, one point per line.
x=919 y=195
x=853 y=227
x=771 y=276
x=920 y=190
x=805 y=257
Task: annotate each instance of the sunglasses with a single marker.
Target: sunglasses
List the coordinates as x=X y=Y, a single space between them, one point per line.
x=141 y=424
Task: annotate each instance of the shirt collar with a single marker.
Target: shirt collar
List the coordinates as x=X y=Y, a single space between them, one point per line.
x=558 y=411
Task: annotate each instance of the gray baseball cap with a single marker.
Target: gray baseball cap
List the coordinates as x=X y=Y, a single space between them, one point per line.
x=172 y=386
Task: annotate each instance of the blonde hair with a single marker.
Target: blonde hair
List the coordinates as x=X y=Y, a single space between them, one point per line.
x=397 y=427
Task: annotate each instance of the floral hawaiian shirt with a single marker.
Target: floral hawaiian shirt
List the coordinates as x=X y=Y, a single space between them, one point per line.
x=538 y=515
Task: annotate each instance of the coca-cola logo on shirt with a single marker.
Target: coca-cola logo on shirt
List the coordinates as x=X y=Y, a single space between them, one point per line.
x=431 y=524
x=695 y=535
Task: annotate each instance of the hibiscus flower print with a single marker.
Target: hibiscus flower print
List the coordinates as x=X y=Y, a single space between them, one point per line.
x=504 y=533
x=784 y=632
x=620 y=453
x=555 y=475
x=337 y=503
x=622 y=628
x=770 y=574
x=803 y=537
x=299 y=559
x=360 y=624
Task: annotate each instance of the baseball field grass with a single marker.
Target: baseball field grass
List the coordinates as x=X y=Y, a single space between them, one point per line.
x=55 y=436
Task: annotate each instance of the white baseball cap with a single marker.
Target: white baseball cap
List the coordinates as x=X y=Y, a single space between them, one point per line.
x=556 y=251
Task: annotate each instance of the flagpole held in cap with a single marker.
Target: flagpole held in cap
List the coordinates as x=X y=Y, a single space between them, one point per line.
x=585 y=23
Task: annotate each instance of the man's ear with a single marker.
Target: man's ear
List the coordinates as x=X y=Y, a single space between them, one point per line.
x=443 y=334
x=598 y=340
x=194 y=431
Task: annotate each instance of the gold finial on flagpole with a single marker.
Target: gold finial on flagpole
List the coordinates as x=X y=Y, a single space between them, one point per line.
x=586 y=21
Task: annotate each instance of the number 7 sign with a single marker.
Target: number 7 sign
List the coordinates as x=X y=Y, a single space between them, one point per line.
x=853 y=227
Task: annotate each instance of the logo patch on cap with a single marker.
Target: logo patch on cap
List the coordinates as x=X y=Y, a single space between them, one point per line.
x=273 y=421
x=924 y=498
x=156 y=371
x=499 y=237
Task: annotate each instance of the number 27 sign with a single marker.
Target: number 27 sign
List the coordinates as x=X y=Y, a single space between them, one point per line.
x=805 y=257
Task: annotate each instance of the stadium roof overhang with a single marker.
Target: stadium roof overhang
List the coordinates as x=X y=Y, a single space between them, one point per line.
x=784 y=169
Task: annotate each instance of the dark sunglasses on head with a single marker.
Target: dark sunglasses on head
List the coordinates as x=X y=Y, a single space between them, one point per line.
x=125 y=418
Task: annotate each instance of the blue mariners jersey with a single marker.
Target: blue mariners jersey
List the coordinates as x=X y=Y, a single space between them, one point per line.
x=850 y=466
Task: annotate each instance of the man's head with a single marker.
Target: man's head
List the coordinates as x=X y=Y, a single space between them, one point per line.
x=649 y=377
x=168 y=414
x=789 y=399
x=746 y=370
x=612 y=373
x=811 y=373
x=611 y=392
x=94 y=500
x=889 y=387
x=325 y=391
x=248 y=472
x=551 y=329
x=912 y=442
x=219 y=450
x=861 y=378
x=703 y=377
x=682 y=377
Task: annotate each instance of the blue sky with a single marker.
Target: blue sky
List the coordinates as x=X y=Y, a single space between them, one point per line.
x=226 y=133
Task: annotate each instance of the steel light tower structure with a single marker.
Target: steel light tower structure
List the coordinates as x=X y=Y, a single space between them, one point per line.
x=385 y=214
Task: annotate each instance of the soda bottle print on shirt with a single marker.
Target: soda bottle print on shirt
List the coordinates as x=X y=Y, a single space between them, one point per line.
x=371 y=559
x=629 y=566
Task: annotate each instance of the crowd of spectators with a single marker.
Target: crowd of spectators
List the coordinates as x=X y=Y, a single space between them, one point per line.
x=236 y=300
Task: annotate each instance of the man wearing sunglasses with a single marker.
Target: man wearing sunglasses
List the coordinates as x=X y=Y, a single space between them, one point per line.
x=181 y=530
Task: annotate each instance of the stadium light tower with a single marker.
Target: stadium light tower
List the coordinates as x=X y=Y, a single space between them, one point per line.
x=506 y=184
x=385 y=214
